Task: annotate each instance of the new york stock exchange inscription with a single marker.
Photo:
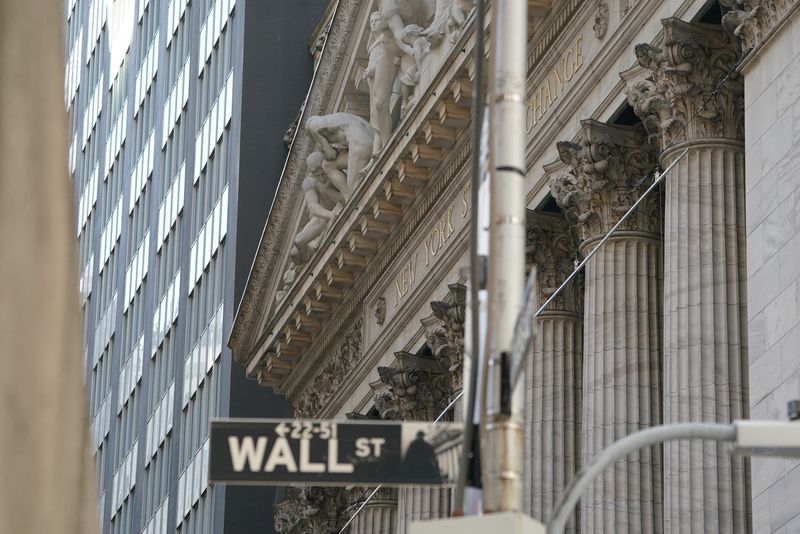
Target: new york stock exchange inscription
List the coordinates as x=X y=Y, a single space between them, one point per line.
x=548 y=91
x=436 y=239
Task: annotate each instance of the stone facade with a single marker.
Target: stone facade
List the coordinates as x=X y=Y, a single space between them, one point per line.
x=772 y=171
x=688 y=313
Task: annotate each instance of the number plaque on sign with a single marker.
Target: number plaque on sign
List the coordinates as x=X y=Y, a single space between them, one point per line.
x=334 y=453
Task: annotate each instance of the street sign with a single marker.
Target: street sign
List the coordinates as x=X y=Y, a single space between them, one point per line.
x=334 y=453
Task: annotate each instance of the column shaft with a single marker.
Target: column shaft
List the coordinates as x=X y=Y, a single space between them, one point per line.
x=419 y=504
x=705 y=361
x=379 y=516
x=554 y=401
x=621 y=382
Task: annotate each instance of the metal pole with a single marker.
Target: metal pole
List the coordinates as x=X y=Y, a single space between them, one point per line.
x=502 y=426
x=621 y=449
x=475 y=276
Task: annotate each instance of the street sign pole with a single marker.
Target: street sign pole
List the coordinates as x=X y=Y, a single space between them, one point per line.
x=502 y=427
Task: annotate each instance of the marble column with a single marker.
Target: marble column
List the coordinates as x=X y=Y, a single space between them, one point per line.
x=622 y=319
x=553 y=372
x=420 y=504
x=705 y=347
x=379 y=515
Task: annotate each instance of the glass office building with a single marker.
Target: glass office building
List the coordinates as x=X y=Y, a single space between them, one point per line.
x=175 y=149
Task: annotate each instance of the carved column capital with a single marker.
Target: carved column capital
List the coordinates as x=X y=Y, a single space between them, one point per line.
x=312 y=510
x=602 y=177
x=553 y=248
x=422 y=384
x=415 y=391
x=679 y=96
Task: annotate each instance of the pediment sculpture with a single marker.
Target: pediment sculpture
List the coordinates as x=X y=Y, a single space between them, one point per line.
x=402 y=34
x=342 y=151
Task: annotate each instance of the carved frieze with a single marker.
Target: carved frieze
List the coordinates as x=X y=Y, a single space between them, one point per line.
x=552 y=246
x=342 y=360
x=603 y=177
x=681 y=97
x=312 y=510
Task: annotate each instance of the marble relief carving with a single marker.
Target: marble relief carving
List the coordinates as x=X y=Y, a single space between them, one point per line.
x=601 y=20
x=338 y=365
x=402 y=34
x=752 y=20
x=342 y=150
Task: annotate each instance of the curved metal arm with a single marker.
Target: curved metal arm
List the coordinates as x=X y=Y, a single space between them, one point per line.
x=621 y=449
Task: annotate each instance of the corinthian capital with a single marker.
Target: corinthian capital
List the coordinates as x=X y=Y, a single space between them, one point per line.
x=679 y=96
x=552 y=247
x=416 y=390
x=602 y=178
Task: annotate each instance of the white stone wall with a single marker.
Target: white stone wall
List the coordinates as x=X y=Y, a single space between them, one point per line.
x=772 y=142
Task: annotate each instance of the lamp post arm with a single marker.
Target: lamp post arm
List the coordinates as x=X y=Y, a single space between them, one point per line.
x=621 y=449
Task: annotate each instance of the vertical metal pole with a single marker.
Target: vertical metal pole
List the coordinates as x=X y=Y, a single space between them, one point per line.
x=502 y=426
x=476 y=276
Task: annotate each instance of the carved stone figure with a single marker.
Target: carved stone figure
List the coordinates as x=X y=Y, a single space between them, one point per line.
x=400 y=13
x=384 y=57
x=410 y=65
x=324 y=202
x=345 y=140
x=459 y=10
x=449 y=18
x=288 y=279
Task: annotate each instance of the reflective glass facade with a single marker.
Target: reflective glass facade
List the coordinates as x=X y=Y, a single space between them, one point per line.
x=154 y=89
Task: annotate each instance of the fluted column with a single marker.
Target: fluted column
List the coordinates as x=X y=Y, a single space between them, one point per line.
x=420 y=504
x=553 y=374
x=622 y=320
x=379 y=515
x=705 y=348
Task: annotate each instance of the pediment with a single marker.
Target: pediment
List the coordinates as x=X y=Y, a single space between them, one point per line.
x=351 y=172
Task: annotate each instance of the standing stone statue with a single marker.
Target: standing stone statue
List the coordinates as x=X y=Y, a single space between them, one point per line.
x=324 y=202
x=384 y=56
x=346 y=141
